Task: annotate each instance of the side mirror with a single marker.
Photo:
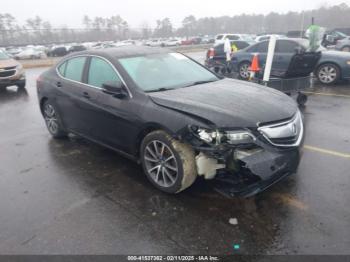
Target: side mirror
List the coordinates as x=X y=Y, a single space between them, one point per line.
x=116 y=89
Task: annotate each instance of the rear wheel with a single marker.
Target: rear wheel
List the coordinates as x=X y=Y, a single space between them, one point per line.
x=168 y=164
x=52 y=120
x=328 y=74
x=243 y=70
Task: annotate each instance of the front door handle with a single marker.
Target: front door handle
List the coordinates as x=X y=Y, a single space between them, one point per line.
x=59 y=84
x=86 y=95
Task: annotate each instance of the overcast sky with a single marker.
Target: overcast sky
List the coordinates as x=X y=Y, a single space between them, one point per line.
x=136 y=12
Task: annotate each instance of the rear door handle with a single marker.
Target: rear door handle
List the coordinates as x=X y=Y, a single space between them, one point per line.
x=86 y=95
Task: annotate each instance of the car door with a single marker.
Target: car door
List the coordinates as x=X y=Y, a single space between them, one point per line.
x=285 y=50
x=76 y=100
x=115 y=121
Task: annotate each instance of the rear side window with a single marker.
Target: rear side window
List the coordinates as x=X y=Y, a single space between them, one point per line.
x=219 y=37
x=284 y=46
x=219 y=48
x=74 y=68
x=100 y=72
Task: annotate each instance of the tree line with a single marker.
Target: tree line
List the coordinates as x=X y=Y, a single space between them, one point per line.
x=38 y=31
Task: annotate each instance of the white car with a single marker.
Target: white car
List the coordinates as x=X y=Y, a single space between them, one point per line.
x=222 y=37
x=172 y=42
x=155 y=42
x=261 y=38
x=30 y=53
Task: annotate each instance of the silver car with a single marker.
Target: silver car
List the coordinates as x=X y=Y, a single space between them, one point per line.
x=343 y=44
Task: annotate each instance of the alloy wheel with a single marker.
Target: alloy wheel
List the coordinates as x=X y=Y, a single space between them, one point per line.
x=51 y=119
x=327 y=74
x=244 y=71
x=160 y=163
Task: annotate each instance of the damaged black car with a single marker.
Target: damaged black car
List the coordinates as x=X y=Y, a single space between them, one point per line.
x=175 y=117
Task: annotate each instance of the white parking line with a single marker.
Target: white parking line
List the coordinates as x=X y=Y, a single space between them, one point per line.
x=326 y=151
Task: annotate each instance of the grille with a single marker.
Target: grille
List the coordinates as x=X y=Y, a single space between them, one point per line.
x=7 y=73
x=287 y=133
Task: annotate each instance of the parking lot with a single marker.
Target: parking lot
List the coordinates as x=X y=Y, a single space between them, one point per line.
x=74 y=197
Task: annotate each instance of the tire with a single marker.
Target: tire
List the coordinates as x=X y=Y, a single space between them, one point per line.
x=168 y=164
x=328 y=74
x=21 y=85
x=301 y=99
x=346 y=49
x=53 y=120
x=243 y=70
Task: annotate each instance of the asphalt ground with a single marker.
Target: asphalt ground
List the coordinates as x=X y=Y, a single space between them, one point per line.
x=74 y=197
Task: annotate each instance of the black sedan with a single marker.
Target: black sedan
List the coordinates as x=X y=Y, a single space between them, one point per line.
x=175 y=117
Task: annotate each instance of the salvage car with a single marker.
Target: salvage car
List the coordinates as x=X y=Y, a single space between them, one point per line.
x=175 y=117
x=343 y=45
x=332 y=67
x=11 y=72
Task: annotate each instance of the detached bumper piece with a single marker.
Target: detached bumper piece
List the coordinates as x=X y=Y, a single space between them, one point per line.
x=256 y=173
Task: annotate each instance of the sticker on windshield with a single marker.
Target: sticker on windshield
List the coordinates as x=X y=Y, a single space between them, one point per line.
x=179 y=56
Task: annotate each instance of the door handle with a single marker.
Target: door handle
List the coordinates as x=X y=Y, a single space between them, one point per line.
x=59 y=84
x=86 y=95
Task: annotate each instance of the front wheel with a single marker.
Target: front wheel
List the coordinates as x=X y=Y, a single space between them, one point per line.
x=168 y=164
x=328 y=74
x=52 y=120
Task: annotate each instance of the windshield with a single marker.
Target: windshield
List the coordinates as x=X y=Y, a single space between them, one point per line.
x=159 y=72
x=3 y=56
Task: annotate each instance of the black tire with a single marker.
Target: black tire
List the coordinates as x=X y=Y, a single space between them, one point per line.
x=21 y=85
x=328 y=74
x=243 y=72
x=346 y=48
x=159 y=152
x=53 y=120
x=301 y=99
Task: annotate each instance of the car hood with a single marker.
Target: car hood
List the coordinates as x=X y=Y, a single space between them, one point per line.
x=8 y=63
x=229 y=103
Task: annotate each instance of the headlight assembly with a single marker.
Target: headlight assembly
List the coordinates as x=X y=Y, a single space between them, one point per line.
x=219 y=137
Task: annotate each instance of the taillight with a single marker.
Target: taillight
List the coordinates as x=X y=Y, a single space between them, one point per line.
x=211 y=53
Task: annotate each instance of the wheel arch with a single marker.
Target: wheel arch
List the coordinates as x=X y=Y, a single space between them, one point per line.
x=145 y=130
x=42 y=101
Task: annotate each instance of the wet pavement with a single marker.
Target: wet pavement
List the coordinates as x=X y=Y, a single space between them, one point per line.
x=74 y=197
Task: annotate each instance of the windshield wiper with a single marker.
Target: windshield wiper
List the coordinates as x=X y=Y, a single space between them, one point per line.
x=158 y=90
x=200 y=82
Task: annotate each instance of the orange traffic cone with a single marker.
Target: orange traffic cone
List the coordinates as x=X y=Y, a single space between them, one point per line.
x=254 y=67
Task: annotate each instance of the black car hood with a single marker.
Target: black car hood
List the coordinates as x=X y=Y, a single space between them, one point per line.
x=229 y=103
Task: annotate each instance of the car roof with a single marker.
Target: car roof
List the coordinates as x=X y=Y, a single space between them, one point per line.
x=126 y=51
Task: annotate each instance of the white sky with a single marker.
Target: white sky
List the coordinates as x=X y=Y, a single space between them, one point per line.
x=136 y=12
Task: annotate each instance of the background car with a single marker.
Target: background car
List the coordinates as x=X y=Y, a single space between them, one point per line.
x=11 y=72
x=333 y=65
x=222 y=37
x=172 y=42
x=261 y=38
x=216 y=55
x=30 y=53
x=343 y=45
x=58 y=51
x=76 y=48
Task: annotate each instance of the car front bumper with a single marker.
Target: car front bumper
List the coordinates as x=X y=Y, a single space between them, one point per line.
x=16 y=80
x=257 y=173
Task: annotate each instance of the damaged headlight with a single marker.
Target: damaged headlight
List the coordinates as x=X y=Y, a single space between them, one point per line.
x=217 y=137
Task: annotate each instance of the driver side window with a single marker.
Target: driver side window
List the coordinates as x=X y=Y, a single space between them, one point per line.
x=100 y=72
